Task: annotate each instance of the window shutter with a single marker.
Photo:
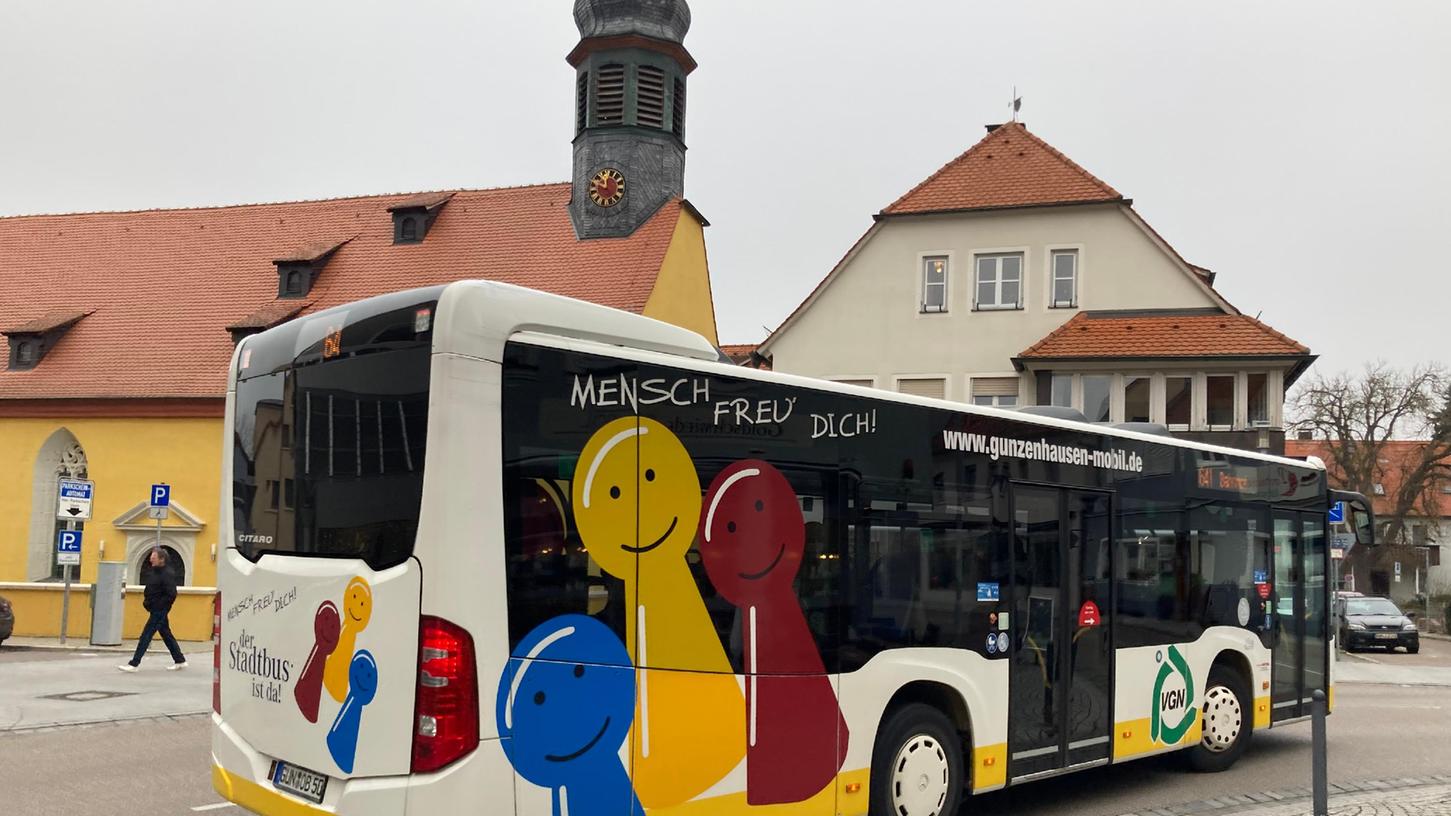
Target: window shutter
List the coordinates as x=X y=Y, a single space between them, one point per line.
x=994 y=386
x=650 y=97
x=610 y=95
x=922 y=387
x=677 y=110
x=862 y=383
x=581 y=102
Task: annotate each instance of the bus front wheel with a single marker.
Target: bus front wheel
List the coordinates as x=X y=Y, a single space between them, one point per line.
x=916 y=764
x=1227 y=718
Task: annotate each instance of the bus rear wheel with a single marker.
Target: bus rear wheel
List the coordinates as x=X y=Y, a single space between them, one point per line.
x=1227 y=719
x=916 y=764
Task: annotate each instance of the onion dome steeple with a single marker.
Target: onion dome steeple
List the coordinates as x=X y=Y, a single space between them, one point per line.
x=629 y=145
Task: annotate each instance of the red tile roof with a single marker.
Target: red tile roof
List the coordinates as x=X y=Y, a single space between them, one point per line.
x=1010 y=167
x=1109 y=334
x=165 y=284
x=49 y=321
x=742 y=354
x=1394 y=458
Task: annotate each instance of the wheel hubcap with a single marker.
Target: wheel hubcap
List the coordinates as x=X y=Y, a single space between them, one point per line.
x=920 y=777
x=1223 y=719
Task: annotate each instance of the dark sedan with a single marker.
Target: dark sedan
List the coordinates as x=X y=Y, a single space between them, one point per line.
x=1377 y=622
x=7 y=620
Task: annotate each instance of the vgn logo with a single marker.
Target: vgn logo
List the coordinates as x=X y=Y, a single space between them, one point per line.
x=1173 y=699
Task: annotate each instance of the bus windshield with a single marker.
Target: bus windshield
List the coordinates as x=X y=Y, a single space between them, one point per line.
x=328 y=457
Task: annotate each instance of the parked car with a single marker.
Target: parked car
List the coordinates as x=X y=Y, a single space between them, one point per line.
x=7 y=619
x=1377 y=622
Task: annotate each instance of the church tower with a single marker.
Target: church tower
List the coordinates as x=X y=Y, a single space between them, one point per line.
x=629 y=142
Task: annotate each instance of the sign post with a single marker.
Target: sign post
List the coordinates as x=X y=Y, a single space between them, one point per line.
x=74 y=505
x=160 y=507
x=67 y=554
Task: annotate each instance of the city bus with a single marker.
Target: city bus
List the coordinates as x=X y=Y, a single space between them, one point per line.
x=490 y=550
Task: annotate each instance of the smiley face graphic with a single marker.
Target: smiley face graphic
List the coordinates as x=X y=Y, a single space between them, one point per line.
x=635 y=465
x=565 y=702
x=752 y=534
x=358 y=603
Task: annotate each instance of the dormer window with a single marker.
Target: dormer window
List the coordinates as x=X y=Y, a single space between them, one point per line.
x=297 y=272
x=30 y=342
x=413 y=217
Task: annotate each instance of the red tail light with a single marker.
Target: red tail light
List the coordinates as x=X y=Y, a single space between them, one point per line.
x=217 y=653
x=447 y=726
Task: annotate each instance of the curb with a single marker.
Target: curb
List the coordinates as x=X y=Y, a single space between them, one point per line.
x=187 y=647
x=31 y=729
x=1249 y=802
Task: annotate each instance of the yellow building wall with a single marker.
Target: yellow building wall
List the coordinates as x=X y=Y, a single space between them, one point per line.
x=124 y=457
x=682 y=290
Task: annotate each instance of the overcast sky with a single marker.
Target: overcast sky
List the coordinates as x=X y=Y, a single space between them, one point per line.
x=1298 y=149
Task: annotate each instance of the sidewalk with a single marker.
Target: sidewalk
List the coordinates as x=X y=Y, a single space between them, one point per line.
x=46 y=686
x=1424 y=796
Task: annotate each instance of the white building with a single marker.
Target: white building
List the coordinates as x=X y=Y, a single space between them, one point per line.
x=1012 y=276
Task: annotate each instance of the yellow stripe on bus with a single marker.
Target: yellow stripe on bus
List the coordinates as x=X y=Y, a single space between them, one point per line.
x=1131 y=738
x=989 y=767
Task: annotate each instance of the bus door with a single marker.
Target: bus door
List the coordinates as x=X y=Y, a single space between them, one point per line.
x=1059 y=670
x=1301 y=596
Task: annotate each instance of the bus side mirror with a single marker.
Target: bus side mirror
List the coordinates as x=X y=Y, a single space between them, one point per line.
x=1358 y=516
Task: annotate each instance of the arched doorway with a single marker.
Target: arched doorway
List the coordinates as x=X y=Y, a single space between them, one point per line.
x=174 y=565
x=61 y=457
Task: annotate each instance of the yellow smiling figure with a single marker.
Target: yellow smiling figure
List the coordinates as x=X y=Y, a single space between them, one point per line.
x=637 y=505
x=357 y=608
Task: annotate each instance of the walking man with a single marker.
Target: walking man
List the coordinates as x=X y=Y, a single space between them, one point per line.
x=160 y=595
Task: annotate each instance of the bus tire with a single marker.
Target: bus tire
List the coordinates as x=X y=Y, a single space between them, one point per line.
x=1227 y=720
x=916 y=764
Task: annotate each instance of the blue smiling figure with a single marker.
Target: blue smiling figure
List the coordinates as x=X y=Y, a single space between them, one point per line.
x=565 y=703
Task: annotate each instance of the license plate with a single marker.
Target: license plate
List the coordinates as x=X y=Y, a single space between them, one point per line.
x=1385 y=636
x=309 y=785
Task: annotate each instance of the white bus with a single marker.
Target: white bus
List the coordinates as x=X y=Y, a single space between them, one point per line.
x=490 y=550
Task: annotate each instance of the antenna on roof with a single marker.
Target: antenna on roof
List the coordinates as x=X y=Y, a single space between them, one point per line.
x=1017 y=104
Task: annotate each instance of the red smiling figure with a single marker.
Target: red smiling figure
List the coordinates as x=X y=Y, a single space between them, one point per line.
x=752 y=540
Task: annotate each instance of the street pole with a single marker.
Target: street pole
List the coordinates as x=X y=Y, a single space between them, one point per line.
x=1317 y=753
x=65 y=600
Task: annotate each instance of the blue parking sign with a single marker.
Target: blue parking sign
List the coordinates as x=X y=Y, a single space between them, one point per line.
x=160 y=495
x=1337 y=513
x=68 y=541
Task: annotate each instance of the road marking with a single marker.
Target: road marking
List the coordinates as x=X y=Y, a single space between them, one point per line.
x=217 y=806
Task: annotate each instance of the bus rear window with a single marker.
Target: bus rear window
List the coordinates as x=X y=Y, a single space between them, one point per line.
x=328 y=458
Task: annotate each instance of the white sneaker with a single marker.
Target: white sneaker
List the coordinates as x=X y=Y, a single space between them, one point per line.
x=176 y=666
x=127 y=667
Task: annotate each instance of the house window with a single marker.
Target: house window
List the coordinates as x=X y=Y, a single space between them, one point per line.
x=999 y=282
x=934 y=284
x=860 y=383
x=293 y=283
x=1064 y=292
x=999 y=392
x=408 y=230
x=1096 y=404
x=1258 y=386
x=1136 y=399
x=1219 y=403
x=1062 y=390
x=28 y=352
x=1178 y=399
x=923 y=387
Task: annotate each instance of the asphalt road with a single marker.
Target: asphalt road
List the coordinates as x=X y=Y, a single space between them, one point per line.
x=160 y=767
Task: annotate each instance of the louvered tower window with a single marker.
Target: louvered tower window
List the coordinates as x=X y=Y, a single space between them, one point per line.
x=581 y=101
x=650 y=97
x=610 y=95
x=677 y=110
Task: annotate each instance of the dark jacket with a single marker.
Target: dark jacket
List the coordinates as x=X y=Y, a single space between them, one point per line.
x=160 y=591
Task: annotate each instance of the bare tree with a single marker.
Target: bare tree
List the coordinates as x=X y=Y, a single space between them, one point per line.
x=1355 y=416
